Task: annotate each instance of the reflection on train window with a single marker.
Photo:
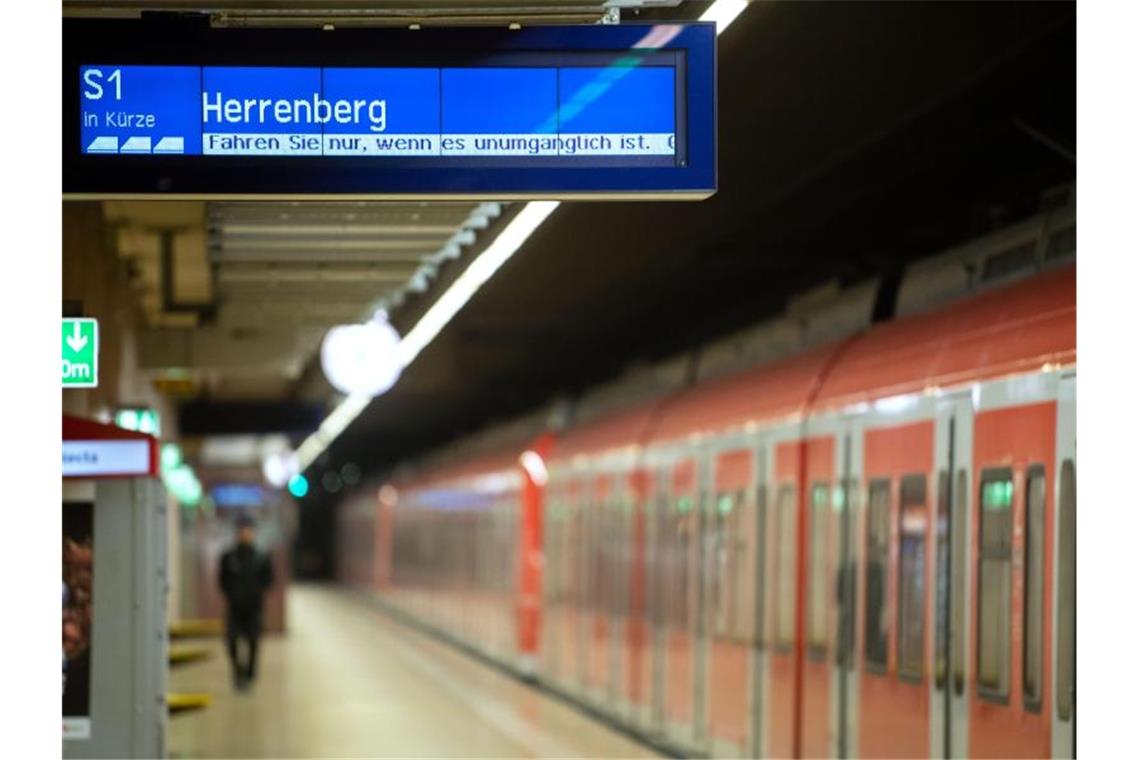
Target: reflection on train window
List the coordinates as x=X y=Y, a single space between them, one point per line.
x=912 y=576
x=785 y=566
x=1032 y=663
x=817 y=574
x=729 y=585
x=959 y=542
x=995 y=534
x=1067 y=593
x=875 y=580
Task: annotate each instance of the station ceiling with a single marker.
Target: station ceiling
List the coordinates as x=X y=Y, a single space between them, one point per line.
x=853 y=138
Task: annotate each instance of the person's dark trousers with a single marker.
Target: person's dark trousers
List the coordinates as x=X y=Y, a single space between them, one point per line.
x=243 y=625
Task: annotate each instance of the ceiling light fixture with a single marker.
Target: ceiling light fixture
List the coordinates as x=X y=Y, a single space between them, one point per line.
x=724 y=12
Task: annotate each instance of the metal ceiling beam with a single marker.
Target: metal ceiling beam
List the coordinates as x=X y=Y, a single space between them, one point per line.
x=335 y=228
x=333 y=244
x=324 y=272
x=400 y=260
x=369 y=12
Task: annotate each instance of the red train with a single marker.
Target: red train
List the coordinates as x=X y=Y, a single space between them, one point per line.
x=863 y=549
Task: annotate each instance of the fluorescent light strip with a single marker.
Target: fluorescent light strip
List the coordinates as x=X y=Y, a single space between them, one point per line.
x=517 y=231
x=480 y=270
x=723 y=12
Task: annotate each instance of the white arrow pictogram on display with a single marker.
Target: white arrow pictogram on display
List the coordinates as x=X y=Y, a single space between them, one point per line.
x=77 y=340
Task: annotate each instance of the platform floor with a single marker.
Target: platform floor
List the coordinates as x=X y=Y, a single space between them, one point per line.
x=346 y=681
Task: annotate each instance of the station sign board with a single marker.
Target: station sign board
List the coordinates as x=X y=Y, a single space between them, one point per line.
x=80 y=353
x=94 y=450
x=166 y=109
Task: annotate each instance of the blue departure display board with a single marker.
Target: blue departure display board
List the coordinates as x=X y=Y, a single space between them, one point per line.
x=272 y=111
x=543 y=112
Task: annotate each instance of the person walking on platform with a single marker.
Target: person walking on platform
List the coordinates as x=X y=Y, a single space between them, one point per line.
x=244 y=574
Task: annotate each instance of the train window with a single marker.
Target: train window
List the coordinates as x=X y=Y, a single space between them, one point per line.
x=658 y=572
x=817 y=574
x=1034 y=606
x=1063 y=242
x=910 y=635
x=613 y=530
x=760 y=574
x=682 y=535
x=942 y=579
x=624 y=550
x=785 y=566
x=995 y=534
x=1010 y=260
x=1067 y=593
x=845 y=581
x=875 y=580
x=574 y=564
x=728 y=584
x=589 y=560
x=958 y=544
x=603 y=572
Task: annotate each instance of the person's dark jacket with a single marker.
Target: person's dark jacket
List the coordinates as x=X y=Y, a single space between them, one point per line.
x=245 y=574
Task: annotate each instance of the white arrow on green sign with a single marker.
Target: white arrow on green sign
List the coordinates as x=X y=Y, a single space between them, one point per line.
x=80 y=353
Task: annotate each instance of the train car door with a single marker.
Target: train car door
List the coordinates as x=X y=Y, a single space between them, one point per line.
x=730 y=575
x=817 y=730
x=777 y=716
x=661 y=510
x=551 y=582
x=760 y=687
x=1064 y=713
x=845 y=680
x=682 y=599
x=618 y=533
x=953 y=454
x=638 y=636
x=574 y=638
x=801 y=535
x=895 y=542
x=601 y=590
x=1015 y=429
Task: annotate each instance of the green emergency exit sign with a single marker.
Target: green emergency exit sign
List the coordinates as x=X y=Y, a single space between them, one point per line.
x=80 y=353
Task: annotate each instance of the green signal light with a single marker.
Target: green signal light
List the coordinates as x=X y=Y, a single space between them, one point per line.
x=183 y=483
x=171 y=456
x=298 y=486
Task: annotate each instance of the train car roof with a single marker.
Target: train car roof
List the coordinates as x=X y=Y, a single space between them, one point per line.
x=625 y=428
x=1022 y=327
x=1016 y=328
x=433 y=475
x=772 y=391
